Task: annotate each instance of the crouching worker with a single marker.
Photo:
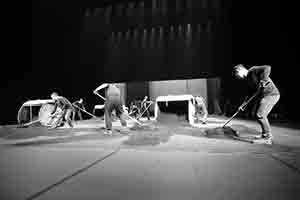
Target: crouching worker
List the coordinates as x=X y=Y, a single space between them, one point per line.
x=200 y=110
x=66 y=110
x=259 y=81
x=113 y=102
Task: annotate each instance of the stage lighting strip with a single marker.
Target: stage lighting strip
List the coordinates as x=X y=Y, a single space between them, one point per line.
x=71 y=175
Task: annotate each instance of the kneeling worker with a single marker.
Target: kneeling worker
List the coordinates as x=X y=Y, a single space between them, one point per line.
x=200 y=110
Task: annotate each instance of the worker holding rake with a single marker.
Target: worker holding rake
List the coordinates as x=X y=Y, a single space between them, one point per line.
x=113 y=102
x=258 y=80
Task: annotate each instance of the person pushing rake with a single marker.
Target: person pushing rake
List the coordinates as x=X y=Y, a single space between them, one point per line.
x=266 y=93
x=113 y=102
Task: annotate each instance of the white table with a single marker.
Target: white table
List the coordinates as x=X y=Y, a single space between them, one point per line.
x=170 y=98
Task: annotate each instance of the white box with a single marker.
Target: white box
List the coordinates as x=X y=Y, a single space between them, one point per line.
x=170 y=98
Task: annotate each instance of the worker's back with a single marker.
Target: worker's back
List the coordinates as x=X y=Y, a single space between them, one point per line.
x=113 y=92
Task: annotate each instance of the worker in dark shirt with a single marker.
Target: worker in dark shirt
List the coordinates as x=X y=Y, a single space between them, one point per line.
x=65 y=106
x=258 y=80
x=113 y=102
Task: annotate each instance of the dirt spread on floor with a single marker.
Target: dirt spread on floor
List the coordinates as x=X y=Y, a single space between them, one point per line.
x=148 y=133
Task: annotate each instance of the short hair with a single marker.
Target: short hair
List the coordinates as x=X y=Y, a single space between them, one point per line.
x=237 y=68
x=199 y=97
x=54 y=94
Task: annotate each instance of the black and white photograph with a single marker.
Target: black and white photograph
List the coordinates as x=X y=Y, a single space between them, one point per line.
x=150 y=100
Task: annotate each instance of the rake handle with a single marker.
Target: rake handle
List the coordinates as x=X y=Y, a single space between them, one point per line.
x=244 y=104
x=124 y=112
x=85 y=111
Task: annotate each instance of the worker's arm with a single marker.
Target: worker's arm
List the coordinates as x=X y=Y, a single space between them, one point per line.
x=54 y=109
x=104 y=85
x=264 y=74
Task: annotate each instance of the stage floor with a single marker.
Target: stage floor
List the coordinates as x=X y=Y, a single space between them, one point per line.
x=167 y=160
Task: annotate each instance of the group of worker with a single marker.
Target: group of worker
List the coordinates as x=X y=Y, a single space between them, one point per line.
x=257 y=77
x=114 y=106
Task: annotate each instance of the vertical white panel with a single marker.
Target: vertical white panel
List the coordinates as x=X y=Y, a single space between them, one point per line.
x=214 y=88
x=178 y=87
x=163 y=88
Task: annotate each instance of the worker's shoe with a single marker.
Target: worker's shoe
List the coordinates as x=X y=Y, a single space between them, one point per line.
x=264 y=136
x=268 y=141
x=125 y=130
x=52 y=127
x=108 y=132
x=70 y=125
x=56 y=126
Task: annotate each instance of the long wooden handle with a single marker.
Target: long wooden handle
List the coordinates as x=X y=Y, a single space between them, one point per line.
x=144 y=110
x=124 y=112
x=85 y=111
x=99 y=95
x=244 y=104
x=230 y=118
x=133 y=119
x=250 y=99
x=32 y=122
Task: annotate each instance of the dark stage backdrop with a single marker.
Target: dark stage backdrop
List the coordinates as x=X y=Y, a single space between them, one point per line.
x=72 y=52
x=265 y=33
x=153 y=40
x=150 y=54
